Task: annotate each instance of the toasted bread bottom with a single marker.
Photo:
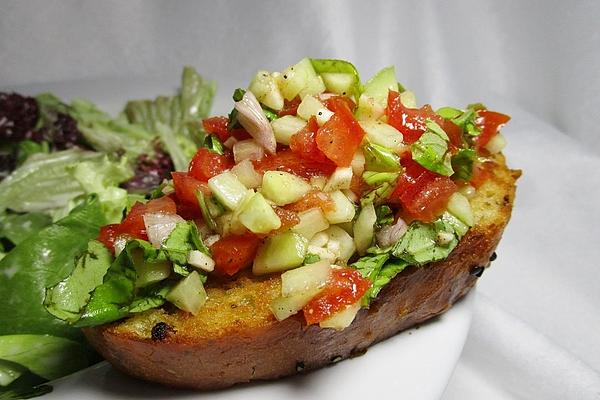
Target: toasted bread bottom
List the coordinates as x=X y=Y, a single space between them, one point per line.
x=235 y=338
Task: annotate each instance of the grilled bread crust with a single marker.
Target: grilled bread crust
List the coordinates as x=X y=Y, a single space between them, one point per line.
x=235 y=337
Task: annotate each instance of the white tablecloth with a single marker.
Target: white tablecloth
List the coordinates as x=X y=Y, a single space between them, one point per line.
x=536 y=322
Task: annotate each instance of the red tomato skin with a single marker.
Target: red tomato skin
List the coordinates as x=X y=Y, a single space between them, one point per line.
x=108 y=235
x=290 y=107
x=207 y=164
x=304 y=143
x=346 y=287
x=288 y=161
x=422 y=194
x=133 y=224
x=186 y=188
x=341 y=135
x=217 y=126
x=235 y=252
x=409 y=121
x=490 y=123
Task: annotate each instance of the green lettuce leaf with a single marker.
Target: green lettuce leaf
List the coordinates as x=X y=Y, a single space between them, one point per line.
x=66 y=299
x=175 y=119
x=43 y=182
x=17 y=227
x=103 y=177
x=431 y=150
x=42 y=260
x=47 y=356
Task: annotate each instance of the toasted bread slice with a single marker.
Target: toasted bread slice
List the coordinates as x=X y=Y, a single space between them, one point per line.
x=235 y=337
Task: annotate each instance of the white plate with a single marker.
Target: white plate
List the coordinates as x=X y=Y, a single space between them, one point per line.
x=415 y=364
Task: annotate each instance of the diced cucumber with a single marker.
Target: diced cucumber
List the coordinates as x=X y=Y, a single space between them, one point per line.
x=339 y=82
x=305 y=279
x=228 y=225
x=341 y=319
x=257 y=215
x=198 y=259
x=383 y=134
x=339 y=180
x=318 y=182
x=227 y=189
x=283 y=188
x=309 y=106
x=149 y=273
x=345 y=241
x=285 y=127
x=332 y=66
x=265 y=88
x=280 y=253
x=380 y=159
x=368 y=109
x=284 y=307
x=379 y=85
x=311 y=222
x=297 y=77
x=459 y=206
x=247 y=150
x=246 y=174
x=343 y=210
x=189 y=294
x=364 y=228
x=314 y=87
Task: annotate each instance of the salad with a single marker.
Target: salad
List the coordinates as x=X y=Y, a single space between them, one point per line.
x=66 y=170
x=335 y=185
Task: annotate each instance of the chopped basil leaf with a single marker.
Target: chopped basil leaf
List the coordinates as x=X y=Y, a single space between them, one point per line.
x=385 y=216
x=311 y=258
x=212 y=143
x=380 y=159
x=271 y=115
x=462 y=164
x=373 y=178
x=210 y=222
x=449 y=112
x=377 y=195
x=431 y=150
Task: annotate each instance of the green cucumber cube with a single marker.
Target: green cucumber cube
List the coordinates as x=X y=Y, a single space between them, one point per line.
x=280 y=253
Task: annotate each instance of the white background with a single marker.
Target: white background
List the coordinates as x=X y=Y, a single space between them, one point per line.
x=535 y=332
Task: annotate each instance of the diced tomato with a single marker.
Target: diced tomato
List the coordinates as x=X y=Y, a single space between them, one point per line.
x=340 y=137
x=311 y=200
x=290 y=107
x=489 y=122
x=235 y=252
x=334 y=103
x=217 y=126
x=288 y=220
x=453 y=131
x=409 y=121
x=288 y=161
x=304 y=143
x=346 y=287
x=423 y=194
x=186 y=188
x=207 y=164
x=133 y=224
x=108 y=235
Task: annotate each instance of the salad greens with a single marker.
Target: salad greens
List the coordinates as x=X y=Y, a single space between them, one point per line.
x=431 y=150
x=67 y=169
